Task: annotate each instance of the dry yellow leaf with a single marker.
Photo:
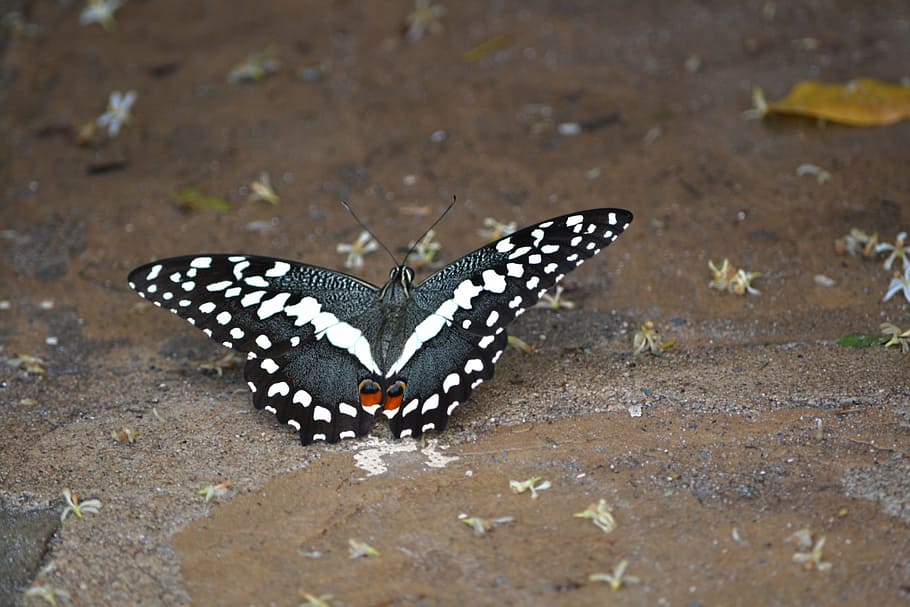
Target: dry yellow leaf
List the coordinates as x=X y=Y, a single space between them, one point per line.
x=861 y=102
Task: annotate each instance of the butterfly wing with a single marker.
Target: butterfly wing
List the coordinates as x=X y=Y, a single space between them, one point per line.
x=291 y=319
x=476 y=297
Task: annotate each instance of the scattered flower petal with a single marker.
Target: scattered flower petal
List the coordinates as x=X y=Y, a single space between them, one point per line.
x=118 y=113
x=100 y=12
x=809 y=554
x=493 y=229
x=77 y=507
x=600 y=515
x=821 y=175
x=555 y=302
x=215 y=491
x=426 y=18
x=255 y=67
x=483 y=525
x=728 y=278
x=648 y=338
x=361 y=549
x=618 y=578
x=896 y=337
x=261 y=190
x=357 y=249
x=532 y=484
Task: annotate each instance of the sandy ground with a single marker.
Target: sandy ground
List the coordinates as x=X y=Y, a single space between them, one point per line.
x=755 y=425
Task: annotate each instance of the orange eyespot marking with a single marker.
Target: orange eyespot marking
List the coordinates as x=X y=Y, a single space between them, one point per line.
x=394 y=394
x=370 y=393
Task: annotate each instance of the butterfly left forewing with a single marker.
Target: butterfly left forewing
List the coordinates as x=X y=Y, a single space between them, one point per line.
x=300 y=324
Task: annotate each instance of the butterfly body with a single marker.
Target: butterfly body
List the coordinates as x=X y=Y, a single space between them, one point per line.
x=327 y=352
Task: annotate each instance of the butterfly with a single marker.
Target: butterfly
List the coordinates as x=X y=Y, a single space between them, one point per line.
x=327 y=352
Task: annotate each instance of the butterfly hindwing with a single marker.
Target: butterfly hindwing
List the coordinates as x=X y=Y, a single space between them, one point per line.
x=323 y=407
x=477 y=296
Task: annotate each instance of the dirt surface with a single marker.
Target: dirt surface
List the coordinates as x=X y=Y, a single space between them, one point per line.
x=756 y=424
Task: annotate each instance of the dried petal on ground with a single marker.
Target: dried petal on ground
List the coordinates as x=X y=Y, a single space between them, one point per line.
x=728 y=278
x=618 y=578
x=555 y=302
x=821 y=175
x=899 y=284
x=192 y=199
x=600 y=515
x=28 y=363
x=48 y=593
x=483 y=525
x=898 y=251
x=125 y=435
x=360 y=549
x=214 y=491
x=487 y=47
x=261 y=190
x=426 y=18
x=493 y=229
x=648 y=338
x=77 y=507
x=896 y=338
x=356 y=250
x=856 y=243
x=809 y=554
x=532 y=484
x=255 y=67
x=119 y=112
x=100 y=12
x=861 y=102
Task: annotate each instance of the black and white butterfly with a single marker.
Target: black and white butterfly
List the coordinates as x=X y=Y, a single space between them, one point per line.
x=327 y=351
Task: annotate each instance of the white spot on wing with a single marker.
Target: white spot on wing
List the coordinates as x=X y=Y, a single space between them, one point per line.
x=515 y=270
x=346 y=409
x=465 y=292
x=279 y=269
x=251 y=299
x=410 y=407
x=574 y=219
x=237 y=333
x=505 y=245
x=429 y=404
x=280 y=387
x=343 y=335
x=269 y=366
x=272 y=306
x=474 y=364
x=486 y=341
x=256 y=281
x=321 y=414
x=263 y=342
x=304 y=311
x=201 y=262
x=219 y=286
x=302 y=398
x=294 y=424
x=493 y=281
x=153 y=273
x=240 y=267
x=451 y=380
x=347 y=434
x=492 y=318
x=207 y=307
x=549 y=249
x=223 y=318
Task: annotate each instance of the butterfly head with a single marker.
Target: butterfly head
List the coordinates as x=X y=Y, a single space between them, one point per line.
x=398 y=288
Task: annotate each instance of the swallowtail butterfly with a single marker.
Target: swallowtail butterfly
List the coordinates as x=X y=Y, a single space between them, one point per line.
x=327 y=351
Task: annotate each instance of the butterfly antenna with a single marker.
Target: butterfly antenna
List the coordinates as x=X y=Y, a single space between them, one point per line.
x=368 y=231
x=427 y=231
